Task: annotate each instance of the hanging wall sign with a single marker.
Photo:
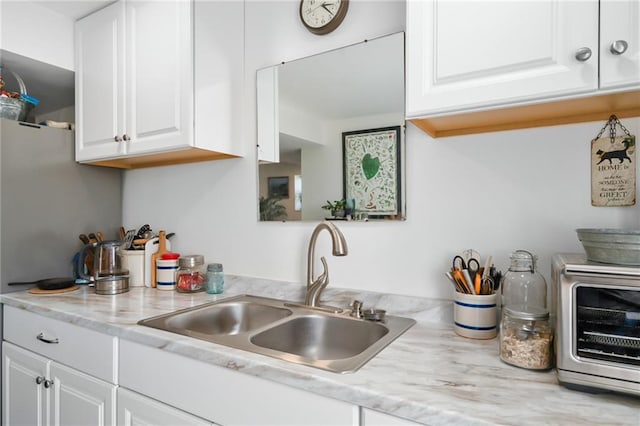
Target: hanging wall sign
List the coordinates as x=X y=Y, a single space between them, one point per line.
x=613 y=167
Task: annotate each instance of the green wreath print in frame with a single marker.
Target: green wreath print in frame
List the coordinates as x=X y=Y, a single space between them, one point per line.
x=371 y=179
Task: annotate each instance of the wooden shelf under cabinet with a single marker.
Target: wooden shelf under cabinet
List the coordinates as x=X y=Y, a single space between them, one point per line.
x=190 y=155
x=593 y=108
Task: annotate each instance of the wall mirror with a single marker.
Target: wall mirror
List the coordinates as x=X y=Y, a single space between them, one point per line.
x=331 y=135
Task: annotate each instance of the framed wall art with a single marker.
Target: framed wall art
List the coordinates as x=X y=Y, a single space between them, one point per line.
x=278 y=186
x=372 y=171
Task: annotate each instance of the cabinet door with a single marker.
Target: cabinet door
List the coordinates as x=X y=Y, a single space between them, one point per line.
x=100 y=84
x=80 y=399
x=24 y=400
x=159 y=95
x=619 y=25
x=135 y=409
x=466 y=55
x=375 y=418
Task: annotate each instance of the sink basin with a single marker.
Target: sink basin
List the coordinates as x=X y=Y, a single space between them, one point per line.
x=281 y=329
x=321 y=337
x=228 y=318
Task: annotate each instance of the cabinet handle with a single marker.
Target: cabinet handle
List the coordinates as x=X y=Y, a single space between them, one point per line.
x=618 y=47
x=117 y=139
x=126 y=138
x=583 y=54
x=48 y=383
x=39 y=380
x=44 y=339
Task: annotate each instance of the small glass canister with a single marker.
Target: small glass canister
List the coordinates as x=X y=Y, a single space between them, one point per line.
x=215 y=278
x=526 y=337
x=191 y=274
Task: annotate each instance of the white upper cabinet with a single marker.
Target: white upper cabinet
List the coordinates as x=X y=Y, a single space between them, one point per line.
x=100 y=84
x=159 y=70
x=466 y=55
x=619 y=44
x=145 y=71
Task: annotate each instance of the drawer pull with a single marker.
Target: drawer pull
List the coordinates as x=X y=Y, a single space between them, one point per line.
x=39 y=380
x=44 y=339
x=48 y=383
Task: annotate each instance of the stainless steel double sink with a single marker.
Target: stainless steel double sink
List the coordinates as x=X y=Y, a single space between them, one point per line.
x=285 y=330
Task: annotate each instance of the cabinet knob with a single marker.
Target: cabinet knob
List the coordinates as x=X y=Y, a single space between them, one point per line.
x=618 y=47
x=48 y=383
x=583 y=54
x=39 y=380
x=117 y=139
x=126 y=138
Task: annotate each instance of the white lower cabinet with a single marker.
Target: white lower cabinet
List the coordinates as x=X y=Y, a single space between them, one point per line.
x=376 y=418
x=39 y=391
x=224 y=396
x=136 y=409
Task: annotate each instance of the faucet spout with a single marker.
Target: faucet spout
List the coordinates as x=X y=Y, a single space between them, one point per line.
x=315 y=286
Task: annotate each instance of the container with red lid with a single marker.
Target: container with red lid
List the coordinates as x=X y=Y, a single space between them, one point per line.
x=192 y=274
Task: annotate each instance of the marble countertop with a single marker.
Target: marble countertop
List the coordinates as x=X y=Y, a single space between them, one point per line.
x=429 y=374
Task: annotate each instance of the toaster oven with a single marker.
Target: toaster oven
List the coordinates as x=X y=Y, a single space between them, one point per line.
x=597 y=324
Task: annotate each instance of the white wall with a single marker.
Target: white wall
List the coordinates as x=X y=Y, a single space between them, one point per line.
x=497 y=192
x=22 y=25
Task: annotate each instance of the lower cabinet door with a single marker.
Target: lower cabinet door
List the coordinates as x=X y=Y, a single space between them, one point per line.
x=376 y=418
x=80 y=399
x=136 y=409
x=24 y=399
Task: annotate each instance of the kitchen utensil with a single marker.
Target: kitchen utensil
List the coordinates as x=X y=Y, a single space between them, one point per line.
x=109 y=276
x=93 y=238
x=617 y=246
x=49 y=283
x=122 y=233
x=162 y=249
x=142 y=232
x=128 y=239
x=99 y=236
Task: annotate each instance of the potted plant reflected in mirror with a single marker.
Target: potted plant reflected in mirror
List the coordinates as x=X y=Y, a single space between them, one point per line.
x=337 y=208
x=271 y=209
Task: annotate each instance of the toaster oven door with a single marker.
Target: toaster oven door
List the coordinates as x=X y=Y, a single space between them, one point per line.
x=607 y=325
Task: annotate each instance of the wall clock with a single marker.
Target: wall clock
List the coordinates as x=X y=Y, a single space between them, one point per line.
x=323 y=16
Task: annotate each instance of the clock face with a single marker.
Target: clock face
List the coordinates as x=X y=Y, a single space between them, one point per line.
x=323 y=16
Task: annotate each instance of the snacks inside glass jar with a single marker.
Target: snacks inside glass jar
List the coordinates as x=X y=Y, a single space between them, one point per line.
x=192 y=274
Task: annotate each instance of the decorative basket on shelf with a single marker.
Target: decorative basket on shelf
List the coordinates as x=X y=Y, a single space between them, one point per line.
x=14 y=108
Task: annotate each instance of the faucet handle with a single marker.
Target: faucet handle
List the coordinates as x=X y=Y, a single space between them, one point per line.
x=356 y=309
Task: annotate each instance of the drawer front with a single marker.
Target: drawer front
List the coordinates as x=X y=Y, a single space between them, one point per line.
x=80 y=348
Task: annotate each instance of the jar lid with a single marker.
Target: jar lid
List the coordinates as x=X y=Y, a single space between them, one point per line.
x=191 y=260
x=214 y=267
x=169 y=256
x=529 y=313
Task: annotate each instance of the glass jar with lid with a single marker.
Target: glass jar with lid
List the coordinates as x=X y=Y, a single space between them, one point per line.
x=215 y=278
x=526 y=337
x=522 y=284
x=192 y=274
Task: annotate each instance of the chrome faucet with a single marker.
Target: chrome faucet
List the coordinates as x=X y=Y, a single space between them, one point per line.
x=315 y=286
